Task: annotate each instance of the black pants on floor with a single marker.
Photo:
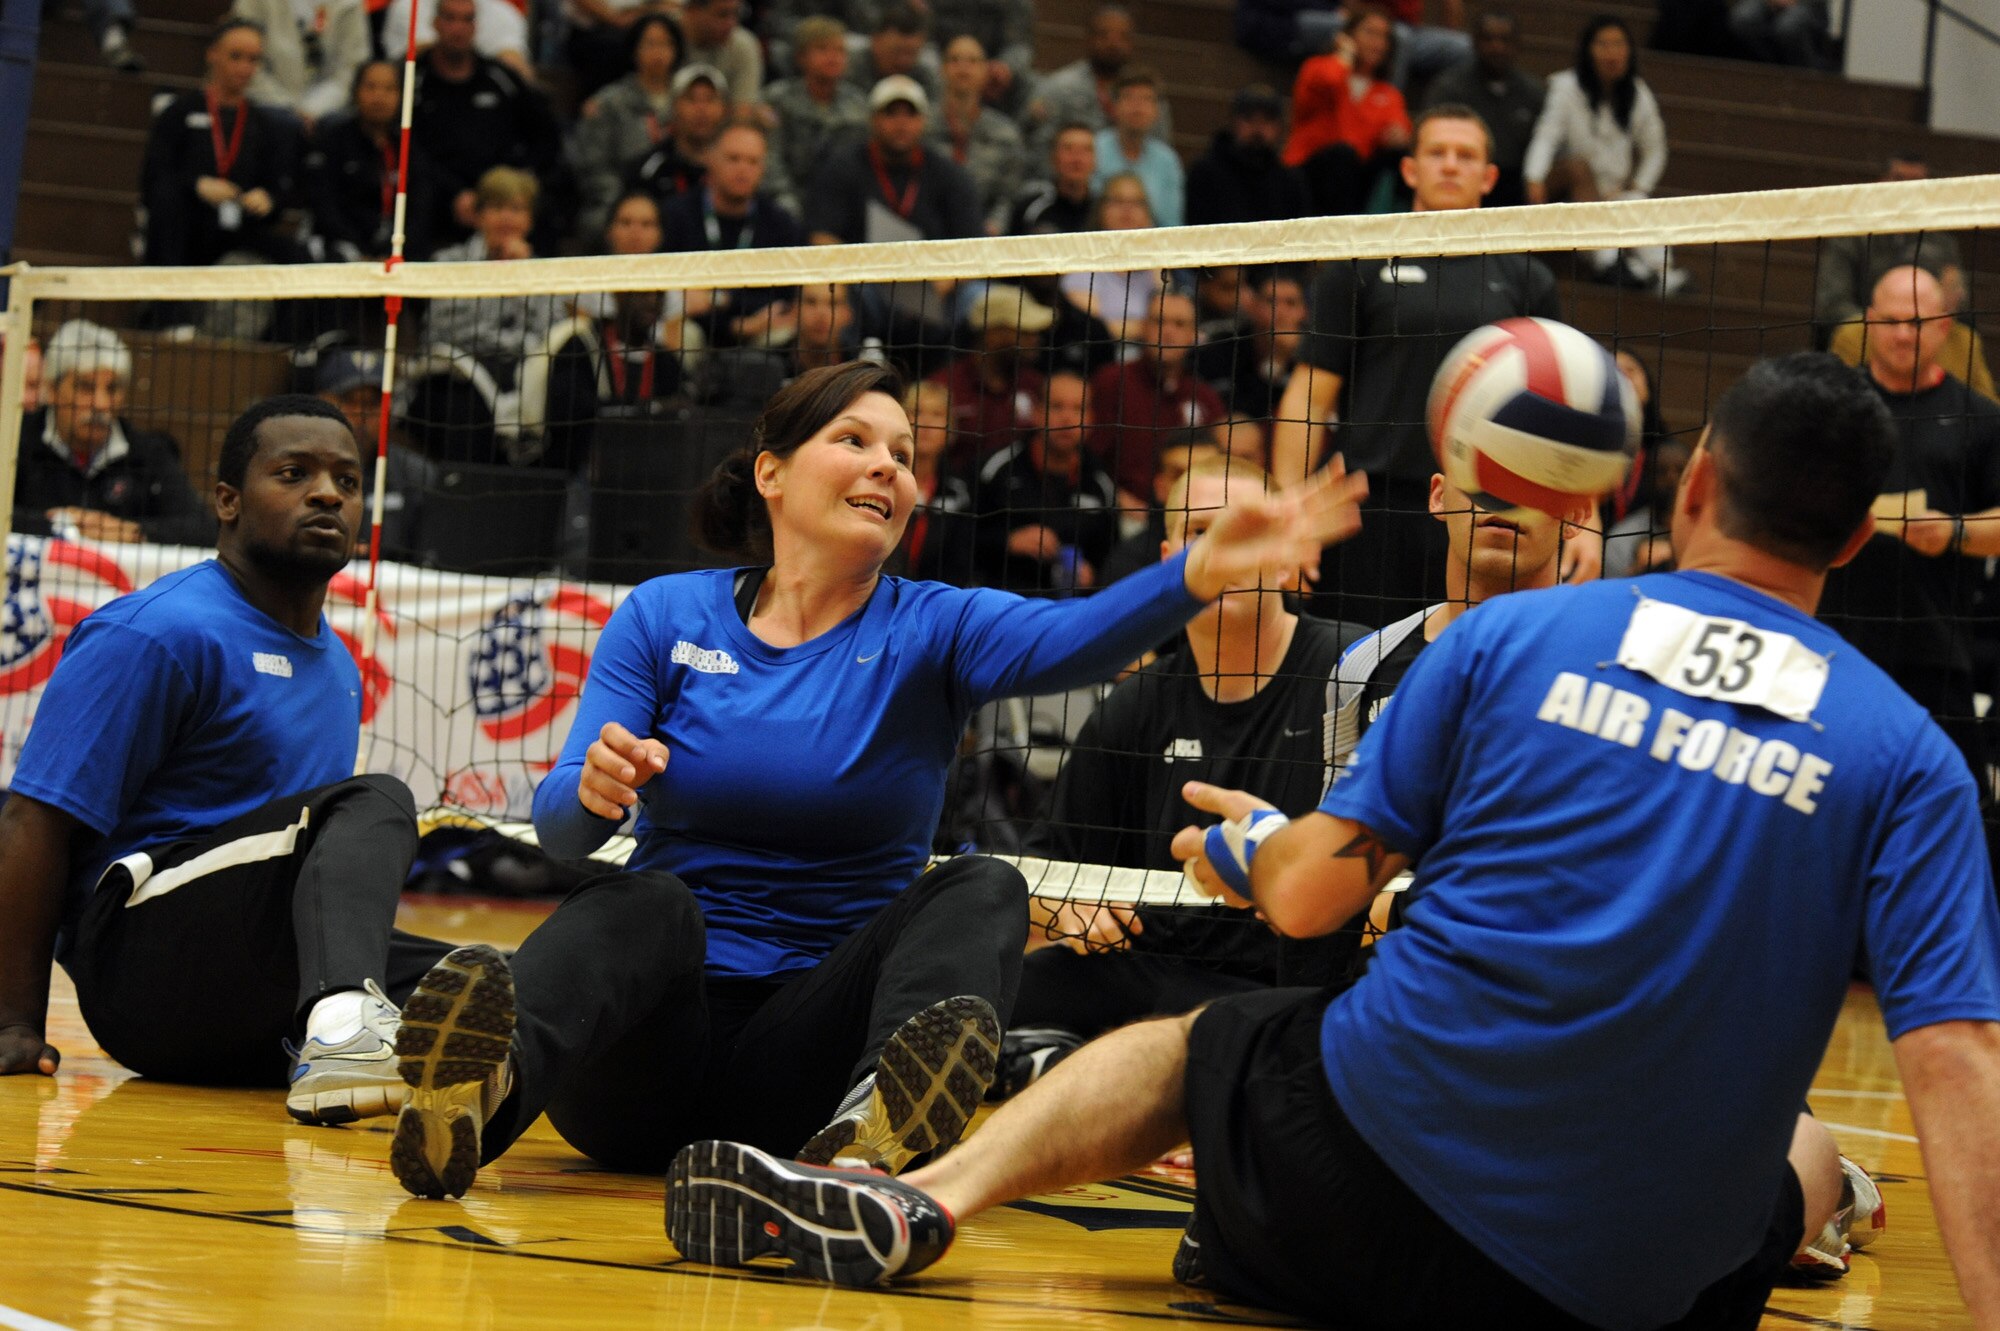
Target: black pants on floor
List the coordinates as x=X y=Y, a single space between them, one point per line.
x=634 y=1053
x=195 y=961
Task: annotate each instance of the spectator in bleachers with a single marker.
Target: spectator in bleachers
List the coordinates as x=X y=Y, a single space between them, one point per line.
x=219 y=169
x=938 y=543
x=890 y=189
x=1507 y=97
x=1129 y=147
x=1065 y=202
x=310 y=53
x=678 y=164
x=826 y=327
x=1250 y=372
x=1005 y=30
x=1048 y=510
x=83 y=469
x=995 y=386
x=715 y=36
x=897 y=44
x=817 y=111
x=474 y=113
x=1224 y=294
x=976 y=136
x=602 y=45
x=351 y=169
x=1784 y=32
x=1158 y=390
x=1601 y=136
x=1377 y=334
x=31 y=377
x=1906 y=600
x=1179 y=452
x=1240 y=178
x=731 y=211
x=497 y=332
x=352 y=381
x=1349 y=122
x=499 y=32
x=1849 y=267
x=1117 y=299
x=620 y=362
x=628 y=118
x=1080 y=92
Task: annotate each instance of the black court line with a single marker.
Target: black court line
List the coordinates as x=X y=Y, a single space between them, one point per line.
x=675 y=1267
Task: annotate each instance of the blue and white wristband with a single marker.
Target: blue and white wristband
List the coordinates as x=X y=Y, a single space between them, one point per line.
x=1231 y=846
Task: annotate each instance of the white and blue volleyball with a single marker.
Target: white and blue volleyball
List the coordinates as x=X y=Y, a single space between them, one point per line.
x=1531 y=413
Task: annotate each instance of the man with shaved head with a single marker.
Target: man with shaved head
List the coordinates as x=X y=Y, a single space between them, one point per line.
x=1906 y=600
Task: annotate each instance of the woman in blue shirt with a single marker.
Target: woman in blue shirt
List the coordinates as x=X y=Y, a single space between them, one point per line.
x=777 y=951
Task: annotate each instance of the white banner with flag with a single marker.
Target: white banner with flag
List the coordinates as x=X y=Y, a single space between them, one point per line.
x=467 y=697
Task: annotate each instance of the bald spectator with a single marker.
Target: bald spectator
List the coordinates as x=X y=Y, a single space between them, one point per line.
x=898 y=44
x=732 y=211
x=1507 y=98
x=1850 y=267
x=679 y=164
x=1080 y=93
x=975 y=135
x=1906 y=600
x=1240 y=178
x=995 y=387
x=1133 y=404
x=816 y=111
x=83 y=469
x=474 y=113
x=716 y=36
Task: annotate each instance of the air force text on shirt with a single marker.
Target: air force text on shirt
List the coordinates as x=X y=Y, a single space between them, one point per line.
x=1769 y=767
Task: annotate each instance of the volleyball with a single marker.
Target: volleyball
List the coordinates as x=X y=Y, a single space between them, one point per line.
x=1531 y=413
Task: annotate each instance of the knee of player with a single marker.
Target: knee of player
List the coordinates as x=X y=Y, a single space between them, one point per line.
x=649 y=903
x=392 y=789
x=983 y=888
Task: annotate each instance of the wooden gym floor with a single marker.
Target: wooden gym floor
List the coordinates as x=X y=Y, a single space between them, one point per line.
x=128 y=1204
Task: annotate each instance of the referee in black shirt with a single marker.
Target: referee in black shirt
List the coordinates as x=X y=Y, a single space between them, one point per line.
x=1379 y=330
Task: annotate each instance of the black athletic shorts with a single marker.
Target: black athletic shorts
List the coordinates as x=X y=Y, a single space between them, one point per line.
x=1294 y=1211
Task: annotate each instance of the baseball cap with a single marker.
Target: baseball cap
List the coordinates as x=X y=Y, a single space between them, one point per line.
x=899 y=88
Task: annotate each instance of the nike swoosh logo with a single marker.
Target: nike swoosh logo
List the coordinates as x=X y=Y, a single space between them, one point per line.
x=864 y=660
x=1294 y=734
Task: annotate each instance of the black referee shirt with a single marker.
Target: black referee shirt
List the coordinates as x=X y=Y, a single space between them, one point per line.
x=1386 y=325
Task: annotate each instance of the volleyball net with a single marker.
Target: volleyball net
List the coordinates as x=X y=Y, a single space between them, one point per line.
x=550 y=422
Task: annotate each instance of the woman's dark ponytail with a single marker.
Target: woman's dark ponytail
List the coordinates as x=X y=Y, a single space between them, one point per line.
x=729 y=513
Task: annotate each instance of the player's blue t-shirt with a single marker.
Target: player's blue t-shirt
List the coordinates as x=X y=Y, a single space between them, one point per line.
x=803 y=784
x=180 y=707
x=1632 y=924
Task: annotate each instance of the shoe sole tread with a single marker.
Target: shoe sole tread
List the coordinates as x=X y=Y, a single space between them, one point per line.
x=454 y=1036
x=929 y=1082
x=728 y=1205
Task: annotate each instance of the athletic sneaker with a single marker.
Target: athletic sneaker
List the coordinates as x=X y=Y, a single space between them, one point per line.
x=1187 y=1259
x=354 y=1078
x=1026 y=1055
x=729 y=1204
x=926 y=1087
x=458 y=1029
x=1857 y=1222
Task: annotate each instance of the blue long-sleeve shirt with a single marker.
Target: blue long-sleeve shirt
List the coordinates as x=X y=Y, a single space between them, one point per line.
x=803 y=784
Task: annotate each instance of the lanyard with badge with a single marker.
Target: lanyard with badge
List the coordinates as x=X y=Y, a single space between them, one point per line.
x=614 y=359
x=908 y=203
x=228 y=213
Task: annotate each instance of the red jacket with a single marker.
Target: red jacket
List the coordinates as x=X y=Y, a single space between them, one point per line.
x=1323 y=112
x=1134 y=412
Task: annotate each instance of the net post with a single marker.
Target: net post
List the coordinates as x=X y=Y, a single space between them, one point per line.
x=19 y=324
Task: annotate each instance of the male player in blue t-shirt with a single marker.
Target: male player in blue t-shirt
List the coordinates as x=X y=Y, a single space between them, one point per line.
x=185 y=833
x=1654 y=823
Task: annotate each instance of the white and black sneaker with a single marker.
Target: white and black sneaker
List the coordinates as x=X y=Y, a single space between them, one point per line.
x=729 y=1204
x=353 y=1078
x=926 y=1087
x=1858 y=1222
x=453 y=1048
